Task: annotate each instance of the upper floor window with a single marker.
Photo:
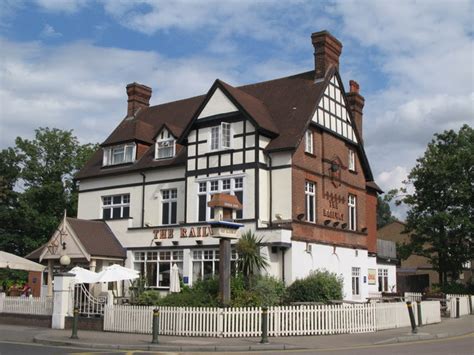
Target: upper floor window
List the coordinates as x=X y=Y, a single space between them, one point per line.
x=169 y=206
x=116 y=206
x=310 y=194
x=232 y=186
x=309 y=146
x=352 y=209
x=221 y=136
x=352 y=164
x=165 y=145
x=119 y=154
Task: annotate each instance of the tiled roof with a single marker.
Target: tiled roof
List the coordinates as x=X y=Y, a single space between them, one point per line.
x=282 y=108
x=96 y=237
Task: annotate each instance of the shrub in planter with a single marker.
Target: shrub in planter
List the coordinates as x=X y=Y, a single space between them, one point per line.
x=319 y=286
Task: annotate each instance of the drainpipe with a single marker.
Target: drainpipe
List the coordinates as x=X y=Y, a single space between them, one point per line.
x=283 y=264
x=271 y=194
x=143 y=198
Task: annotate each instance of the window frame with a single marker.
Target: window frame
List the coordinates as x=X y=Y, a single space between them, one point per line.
x=352 y=212
x=351 y=164
x=382 y=279
x=108 y=158
x=111 y=206
x=310 y=201
x=141 y=260
x=172 y=198
x=213 y=259
x=220 y=137
x=309 y=142
x=162 y=140
x=355 y=277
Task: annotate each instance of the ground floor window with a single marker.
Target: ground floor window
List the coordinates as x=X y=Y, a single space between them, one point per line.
x=155 y=266
x=383 y=280
x=356 y=281
x=206 y=263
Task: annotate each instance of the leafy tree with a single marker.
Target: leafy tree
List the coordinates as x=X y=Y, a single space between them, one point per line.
x=37 y=185
x=250 y=259
x=440 y=220
x=384 y=213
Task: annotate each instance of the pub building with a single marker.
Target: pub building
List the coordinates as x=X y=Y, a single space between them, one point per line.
x=291 y=151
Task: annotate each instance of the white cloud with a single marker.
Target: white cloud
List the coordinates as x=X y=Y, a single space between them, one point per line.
x=48 y=31
x=65 y=6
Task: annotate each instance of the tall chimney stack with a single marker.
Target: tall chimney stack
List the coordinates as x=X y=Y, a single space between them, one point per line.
x=356 y=105
x=327 y=50
x=138 y=96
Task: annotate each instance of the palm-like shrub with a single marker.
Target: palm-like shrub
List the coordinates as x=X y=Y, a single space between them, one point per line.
x=250 y=259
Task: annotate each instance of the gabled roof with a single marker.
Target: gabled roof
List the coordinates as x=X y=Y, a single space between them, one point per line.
x=281 y=107
x=95 y=237
x=131 y=129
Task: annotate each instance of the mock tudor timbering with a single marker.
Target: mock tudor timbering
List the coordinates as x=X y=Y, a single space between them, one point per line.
x=290 y=152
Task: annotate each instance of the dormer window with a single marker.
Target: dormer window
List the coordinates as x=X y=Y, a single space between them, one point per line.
x=221 y=136
x=165 y=145
x=119 y=154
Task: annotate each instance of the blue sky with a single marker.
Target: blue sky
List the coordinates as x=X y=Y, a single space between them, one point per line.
x=65 y=63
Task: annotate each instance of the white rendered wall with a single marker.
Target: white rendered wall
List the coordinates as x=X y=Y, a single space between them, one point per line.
x=217 y=104
x=281 y=193
x=340 y=263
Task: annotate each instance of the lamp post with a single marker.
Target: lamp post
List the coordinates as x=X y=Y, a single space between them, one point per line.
x=65 y=261
x=225 y=230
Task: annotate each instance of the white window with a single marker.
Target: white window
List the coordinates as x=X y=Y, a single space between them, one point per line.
x=221 y=136
x=165 y=146
x=232 y=186
x=116 y=207
x=356 y=281
x=169 y=206
x=383 y=280
x=120 y=154
x=352 y=164
x=155 y=266
x=206 y=263
x=352 y=212
x=309 y=142
x=310 y=194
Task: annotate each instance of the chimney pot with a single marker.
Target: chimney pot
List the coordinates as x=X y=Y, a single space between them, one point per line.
x=354 y=86
x=327 y=50
x=138 y=96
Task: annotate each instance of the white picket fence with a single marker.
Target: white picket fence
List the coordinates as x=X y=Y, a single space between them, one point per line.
x=464 y=308
x=282 y=321
x=413 y=296
x=26 y=305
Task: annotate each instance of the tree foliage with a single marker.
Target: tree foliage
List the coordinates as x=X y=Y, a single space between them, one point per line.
x=440 y=220
x=250 y=259
x=384 y=213
x=37 y=185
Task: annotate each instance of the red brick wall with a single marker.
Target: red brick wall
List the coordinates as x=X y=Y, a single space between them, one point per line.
x=371 y=216
x=316 y=168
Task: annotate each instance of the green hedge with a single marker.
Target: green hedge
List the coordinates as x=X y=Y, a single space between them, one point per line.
x=319 y=286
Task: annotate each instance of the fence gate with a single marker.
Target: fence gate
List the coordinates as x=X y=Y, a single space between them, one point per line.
x=88 y=304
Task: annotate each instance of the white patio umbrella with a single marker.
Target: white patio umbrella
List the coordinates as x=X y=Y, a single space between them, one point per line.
x=117 y=273
x=84 y=276
x=11 y=261
x=174 y=279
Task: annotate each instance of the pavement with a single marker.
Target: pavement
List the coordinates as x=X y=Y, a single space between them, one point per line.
x=450 y=327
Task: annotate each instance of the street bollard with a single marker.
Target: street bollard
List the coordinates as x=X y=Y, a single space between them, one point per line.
x=264 y=325
x=420 y=319
x=75 y=321
x=457 y=307
x=156 y=323
x=412 y=318
x=470 y=304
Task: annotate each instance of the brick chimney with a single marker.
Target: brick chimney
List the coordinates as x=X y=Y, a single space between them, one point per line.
x=138 y=96
x=356 y=105
x=327 y=50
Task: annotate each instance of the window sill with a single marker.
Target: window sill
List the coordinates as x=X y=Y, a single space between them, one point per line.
x=166 y=158
x=312 y=155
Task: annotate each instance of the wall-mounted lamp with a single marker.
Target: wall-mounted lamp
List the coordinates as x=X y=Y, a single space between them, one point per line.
x=198 y=242
x=64 y=245
x=175 y=242
x=300 y=216
x=334 y=167
x=344 y=225
x=364 y=229
x=327 y=221
x=157 y=242
x=335 y=224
